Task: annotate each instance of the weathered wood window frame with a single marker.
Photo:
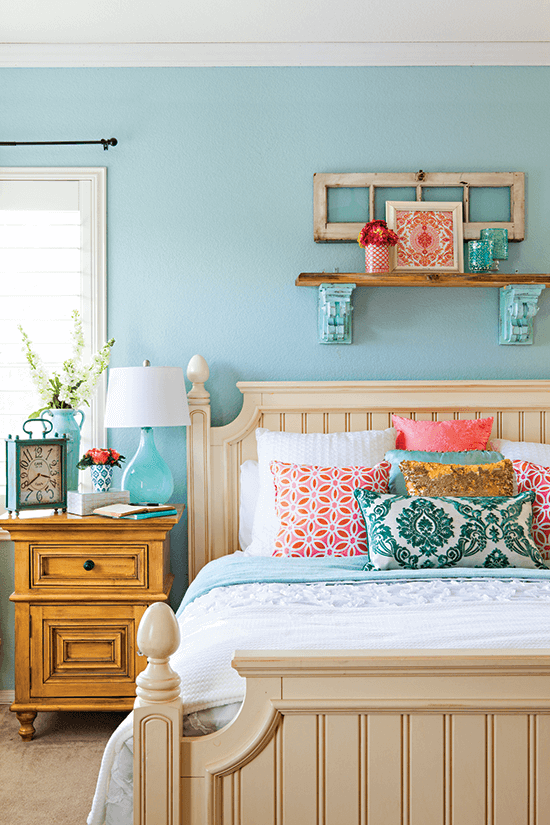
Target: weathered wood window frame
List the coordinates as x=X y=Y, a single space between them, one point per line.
x=324 y=231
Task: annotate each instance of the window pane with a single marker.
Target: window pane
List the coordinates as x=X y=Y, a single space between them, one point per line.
x=46 y=270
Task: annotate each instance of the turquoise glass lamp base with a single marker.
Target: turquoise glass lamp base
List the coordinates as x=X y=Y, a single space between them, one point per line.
x=147 y=477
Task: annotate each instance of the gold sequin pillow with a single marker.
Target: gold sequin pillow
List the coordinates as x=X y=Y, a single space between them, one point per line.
x=423 y=478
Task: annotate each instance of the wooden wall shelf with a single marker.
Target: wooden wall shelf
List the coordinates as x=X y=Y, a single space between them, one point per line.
x=519 y=295
x=446 y=279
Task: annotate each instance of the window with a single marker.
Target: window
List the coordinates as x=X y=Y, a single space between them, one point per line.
x=52 y=261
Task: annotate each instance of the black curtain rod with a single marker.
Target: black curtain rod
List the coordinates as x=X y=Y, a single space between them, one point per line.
x=104 y=143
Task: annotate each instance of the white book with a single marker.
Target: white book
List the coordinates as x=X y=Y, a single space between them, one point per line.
x=124 y=510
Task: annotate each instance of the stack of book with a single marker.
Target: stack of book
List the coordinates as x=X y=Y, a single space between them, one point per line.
x=136 y=511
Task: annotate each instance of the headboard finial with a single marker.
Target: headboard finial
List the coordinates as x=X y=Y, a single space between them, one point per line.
x=198 y=373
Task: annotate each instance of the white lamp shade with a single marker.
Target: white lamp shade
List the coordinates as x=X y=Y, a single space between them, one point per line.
x=146 y=397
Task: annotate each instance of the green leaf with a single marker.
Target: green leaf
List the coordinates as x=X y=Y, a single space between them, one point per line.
x=38 y=413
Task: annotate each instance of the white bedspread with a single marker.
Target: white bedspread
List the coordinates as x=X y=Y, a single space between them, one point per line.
x=451 y=613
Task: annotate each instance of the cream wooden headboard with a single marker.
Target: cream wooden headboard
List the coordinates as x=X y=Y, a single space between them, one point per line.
x=521 y=410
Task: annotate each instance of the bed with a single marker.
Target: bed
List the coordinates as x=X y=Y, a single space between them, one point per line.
x=428 y=731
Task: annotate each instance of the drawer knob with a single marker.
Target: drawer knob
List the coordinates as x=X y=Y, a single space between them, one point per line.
x=89 y=564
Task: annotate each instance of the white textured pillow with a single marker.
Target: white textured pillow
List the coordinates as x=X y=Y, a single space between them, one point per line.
x=366 y=448
x=247 y=501
x=523 y=450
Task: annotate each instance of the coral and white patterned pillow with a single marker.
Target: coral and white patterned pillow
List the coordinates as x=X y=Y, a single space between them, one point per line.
x=534 y=477
x=364 y=448
x=317 y=509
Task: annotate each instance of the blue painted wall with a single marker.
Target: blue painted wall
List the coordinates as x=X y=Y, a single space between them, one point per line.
x=210 y=219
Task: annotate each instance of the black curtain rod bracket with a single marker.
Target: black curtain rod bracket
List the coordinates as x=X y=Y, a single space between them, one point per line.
x=104 y=142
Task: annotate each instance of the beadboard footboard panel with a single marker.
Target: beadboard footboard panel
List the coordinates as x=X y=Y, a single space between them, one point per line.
x=378 y=738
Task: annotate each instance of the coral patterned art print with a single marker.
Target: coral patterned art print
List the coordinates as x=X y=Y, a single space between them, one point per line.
x=430 y=236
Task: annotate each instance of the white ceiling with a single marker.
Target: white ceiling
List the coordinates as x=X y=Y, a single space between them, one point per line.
x=271 y=31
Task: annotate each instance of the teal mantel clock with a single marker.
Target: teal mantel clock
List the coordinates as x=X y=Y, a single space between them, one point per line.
x=36 y=471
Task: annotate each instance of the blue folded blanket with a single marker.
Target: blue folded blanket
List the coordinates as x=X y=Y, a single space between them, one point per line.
x=240 y=569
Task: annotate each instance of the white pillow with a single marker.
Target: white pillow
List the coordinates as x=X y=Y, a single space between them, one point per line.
x=523 y=451
x=247 y=501
x=361 y=449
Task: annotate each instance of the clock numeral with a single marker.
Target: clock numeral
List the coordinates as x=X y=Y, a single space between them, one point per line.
x=28 y=495
x=24 y=463
x=39 y=495
x=38 y=451
x=24 y=484
x=27 y=454
x=53 y=463
x=49 y=452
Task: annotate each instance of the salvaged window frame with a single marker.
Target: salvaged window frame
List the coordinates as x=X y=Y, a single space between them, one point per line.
x=324 y=231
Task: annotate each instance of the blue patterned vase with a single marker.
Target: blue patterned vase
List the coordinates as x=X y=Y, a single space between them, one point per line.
x=102 y=477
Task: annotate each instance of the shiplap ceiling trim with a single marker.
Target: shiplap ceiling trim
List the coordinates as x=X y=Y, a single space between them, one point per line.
x=67 y=55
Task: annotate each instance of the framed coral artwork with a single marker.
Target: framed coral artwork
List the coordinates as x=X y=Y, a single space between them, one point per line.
x=430 y=236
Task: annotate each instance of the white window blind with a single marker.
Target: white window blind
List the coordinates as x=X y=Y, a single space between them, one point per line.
x=52 y=261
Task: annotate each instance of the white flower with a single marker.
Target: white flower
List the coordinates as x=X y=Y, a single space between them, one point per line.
x=74 y=385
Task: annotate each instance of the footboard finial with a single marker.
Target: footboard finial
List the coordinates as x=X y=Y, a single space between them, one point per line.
x=157 y=721
x=158 y=637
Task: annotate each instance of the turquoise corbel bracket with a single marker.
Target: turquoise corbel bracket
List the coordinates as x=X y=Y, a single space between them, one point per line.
x=518 y=307
x=335 y=313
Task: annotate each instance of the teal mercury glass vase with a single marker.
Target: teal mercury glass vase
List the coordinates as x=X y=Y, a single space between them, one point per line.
x=65 y=423
x=147 y=477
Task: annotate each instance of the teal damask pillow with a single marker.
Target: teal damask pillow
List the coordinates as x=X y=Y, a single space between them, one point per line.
x=414 y=532
x=395 y=457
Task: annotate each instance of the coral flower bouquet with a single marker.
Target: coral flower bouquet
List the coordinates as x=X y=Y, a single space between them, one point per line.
x=376 y=238
x=100 y=455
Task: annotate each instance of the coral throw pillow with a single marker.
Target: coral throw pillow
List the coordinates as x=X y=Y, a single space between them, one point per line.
x=317 y=509
x=534 y=477
x=442 y=436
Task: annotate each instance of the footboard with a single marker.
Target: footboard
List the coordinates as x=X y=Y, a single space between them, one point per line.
x=359 y=738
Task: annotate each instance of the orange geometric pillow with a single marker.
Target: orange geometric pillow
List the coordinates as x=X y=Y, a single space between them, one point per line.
x=442 y=436
x=318 y=513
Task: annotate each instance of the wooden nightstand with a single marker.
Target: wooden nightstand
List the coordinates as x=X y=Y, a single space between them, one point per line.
x=82 y=584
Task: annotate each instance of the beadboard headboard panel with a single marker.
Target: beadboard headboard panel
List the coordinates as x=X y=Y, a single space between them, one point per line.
x=521 y=412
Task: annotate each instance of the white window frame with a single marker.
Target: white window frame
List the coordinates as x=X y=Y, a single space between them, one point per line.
x=95 y=331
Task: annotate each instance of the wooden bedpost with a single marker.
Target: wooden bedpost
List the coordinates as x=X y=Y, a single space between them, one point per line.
x=157 y=721
x=198 y=467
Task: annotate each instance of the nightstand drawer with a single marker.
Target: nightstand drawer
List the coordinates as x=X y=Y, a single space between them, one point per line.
x=75 y=647
x=96 y=565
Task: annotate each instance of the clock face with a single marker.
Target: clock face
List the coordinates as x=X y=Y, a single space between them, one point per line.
x=40 y=474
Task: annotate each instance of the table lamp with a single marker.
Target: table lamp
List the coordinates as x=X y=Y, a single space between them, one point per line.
x=147 y=397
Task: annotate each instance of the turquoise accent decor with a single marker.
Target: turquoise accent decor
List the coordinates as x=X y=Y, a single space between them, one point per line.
x=500 y=242
x=65 y=423
x=480 y=256
x=518 y=307
x=148 y=477
x=36 y=470
x=335 y=313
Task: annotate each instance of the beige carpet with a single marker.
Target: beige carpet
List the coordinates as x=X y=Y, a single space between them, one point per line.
x=51 y=780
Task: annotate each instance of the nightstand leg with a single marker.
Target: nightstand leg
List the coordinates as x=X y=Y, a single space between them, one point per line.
x=26 y=718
